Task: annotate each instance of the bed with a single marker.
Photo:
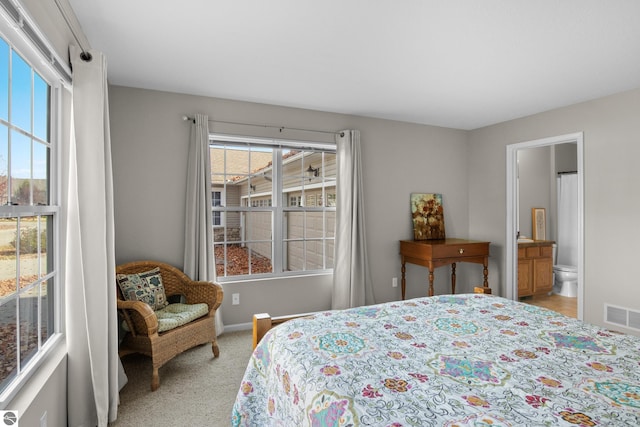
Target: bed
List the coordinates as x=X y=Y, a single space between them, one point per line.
x=452 y=360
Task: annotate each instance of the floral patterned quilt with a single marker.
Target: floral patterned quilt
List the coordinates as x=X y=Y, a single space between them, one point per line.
x=454 y=360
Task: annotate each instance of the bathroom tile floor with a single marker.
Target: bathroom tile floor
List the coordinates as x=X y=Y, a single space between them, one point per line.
x=565 y=305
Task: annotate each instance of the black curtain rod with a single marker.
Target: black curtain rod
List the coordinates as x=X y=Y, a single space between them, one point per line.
x=567 y=173
x=280 y=128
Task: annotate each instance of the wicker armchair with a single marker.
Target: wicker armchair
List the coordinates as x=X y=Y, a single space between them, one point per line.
x=143 y=336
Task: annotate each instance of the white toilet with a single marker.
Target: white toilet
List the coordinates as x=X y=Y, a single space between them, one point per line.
x=565 y=278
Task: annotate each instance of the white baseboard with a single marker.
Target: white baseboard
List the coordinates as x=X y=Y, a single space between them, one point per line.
x=238 y=327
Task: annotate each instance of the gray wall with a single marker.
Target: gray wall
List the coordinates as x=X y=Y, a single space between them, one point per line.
x=612 y=199
x=468 y=168
x=149 y=145
x=534 y=171
x=538 y=168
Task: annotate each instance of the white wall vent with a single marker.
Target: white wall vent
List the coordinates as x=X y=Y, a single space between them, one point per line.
x=622 y=316
x=634 y=319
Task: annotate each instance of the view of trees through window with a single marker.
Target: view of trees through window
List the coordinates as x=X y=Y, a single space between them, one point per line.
x=276 y=207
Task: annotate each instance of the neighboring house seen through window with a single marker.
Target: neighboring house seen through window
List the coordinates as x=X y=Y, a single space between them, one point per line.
x=278 y=216
x=28 y=217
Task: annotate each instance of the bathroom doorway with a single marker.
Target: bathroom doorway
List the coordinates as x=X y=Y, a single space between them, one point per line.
x=534 y=181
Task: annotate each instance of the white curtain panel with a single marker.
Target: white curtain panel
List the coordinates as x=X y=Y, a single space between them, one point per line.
x=89 y=255
x=351 y=276
x=198 y=244
x=567 y=240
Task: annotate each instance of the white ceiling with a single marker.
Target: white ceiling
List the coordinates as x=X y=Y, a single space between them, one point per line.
x=456 y=63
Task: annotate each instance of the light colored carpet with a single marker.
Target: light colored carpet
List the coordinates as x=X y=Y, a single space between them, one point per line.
x=195 y=389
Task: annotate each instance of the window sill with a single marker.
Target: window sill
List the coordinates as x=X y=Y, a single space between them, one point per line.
x=293 y=275
x=23 y=395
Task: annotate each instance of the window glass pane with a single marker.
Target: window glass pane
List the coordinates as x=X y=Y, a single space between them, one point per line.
x=46 y=244
x=233 y=222
x=220 y=256
x=235 y=162
x=20 y=92
x=4 y=165
x=8 y=350
x=258 y=226
x=261 y=161
x=329 y=168
x=20 y=169
x=304 y=255
x=294 y=256
x=293 y=172
x=8 y=232
x=293 y=225
x=40 y=174
x=260 y=258
x=46 y=309
x=29 y=241
x=40 y=108
x=28 y=325
x=315 y=225
x=217 y=177
x=221 y=259
x=329 y=245
x=237 y=260
x=234 y=259
x=330 y=184
x=216 y=159
x=232 y=230
x=4 y=80
x=315 y=254
x=330 y=226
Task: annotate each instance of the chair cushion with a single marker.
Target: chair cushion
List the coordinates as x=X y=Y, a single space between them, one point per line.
x=146 y=287
x=179 y=314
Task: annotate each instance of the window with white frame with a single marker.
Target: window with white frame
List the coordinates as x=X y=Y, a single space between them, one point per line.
x=270 y=227
x=29 y=278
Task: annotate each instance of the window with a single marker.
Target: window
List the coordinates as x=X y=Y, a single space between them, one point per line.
x=270 y=227
x=28 y=217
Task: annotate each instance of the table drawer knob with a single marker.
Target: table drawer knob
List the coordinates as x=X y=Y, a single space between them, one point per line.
x=461 y=251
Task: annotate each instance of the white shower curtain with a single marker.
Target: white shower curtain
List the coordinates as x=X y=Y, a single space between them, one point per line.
x=567 y=240
x=89 y=254
x=198 y=244
x=351 y=277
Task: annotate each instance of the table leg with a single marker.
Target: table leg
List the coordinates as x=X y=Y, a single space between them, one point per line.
x=403 y=282
x=430 y=281
x=485 y=272
x=453 y=278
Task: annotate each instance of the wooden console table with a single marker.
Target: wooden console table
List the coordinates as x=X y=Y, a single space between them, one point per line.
x=436 y=253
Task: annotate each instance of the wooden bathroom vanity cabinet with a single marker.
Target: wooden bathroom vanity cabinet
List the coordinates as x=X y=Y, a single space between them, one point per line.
x=535 y=268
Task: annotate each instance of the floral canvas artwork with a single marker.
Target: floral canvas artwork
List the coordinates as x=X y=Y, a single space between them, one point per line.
x=427 y=216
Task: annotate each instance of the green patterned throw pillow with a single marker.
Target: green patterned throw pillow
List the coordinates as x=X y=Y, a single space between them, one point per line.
x=146 y=287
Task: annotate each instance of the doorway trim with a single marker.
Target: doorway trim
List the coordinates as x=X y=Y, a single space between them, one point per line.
x=512 y=193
